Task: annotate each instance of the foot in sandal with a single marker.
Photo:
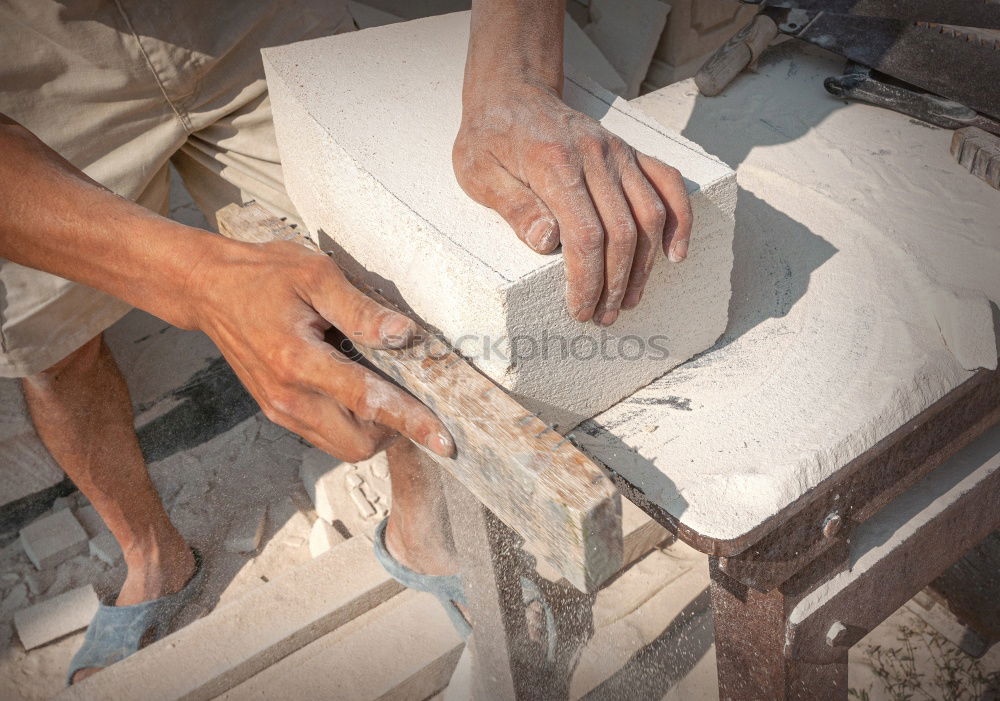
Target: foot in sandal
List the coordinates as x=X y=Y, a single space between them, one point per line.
x=118 y=631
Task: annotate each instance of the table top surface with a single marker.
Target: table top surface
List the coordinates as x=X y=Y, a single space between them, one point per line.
x=865 y=262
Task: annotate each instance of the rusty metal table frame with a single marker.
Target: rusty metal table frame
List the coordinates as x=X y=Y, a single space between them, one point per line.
x=757 y=580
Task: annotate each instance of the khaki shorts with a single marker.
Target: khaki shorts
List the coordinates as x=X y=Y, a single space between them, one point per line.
x=121 y=89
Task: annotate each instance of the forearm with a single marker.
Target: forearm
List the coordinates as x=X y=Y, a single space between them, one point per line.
x=515 y=41
x=266 y=306
x=556 y=175
x=54 y=218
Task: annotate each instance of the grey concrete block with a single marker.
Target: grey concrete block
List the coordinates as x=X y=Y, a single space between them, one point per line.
x=53 y=539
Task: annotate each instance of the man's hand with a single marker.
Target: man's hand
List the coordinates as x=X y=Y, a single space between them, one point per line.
x=556 y=175
x=268 y=306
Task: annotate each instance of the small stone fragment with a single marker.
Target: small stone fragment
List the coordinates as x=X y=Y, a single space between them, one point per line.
x=380 y=466
x=53 y=539
x=246 y=533
x=364 y=506
x=56 y=617
x=294 y=541
x=317 y=474
x=61 y=503
x=322 y=537
x=105 y=548
x=91 y=521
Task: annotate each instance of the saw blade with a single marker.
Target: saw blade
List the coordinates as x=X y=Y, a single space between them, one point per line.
x=967 y=13
x=956 y=63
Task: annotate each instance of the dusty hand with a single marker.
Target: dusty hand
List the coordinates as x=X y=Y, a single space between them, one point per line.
x=557 y=176
x=267 y=307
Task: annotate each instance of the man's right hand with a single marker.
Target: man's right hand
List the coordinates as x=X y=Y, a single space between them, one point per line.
x=267 y=307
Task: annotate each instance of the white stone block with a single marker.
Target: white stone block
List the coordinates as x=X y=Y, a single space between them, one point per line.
x=365 y=122
x=318 y=475
x=53 y=539
x=628 y=32
x=247 y=530
x=322 y=537
x=105 y=548
x=51 y=619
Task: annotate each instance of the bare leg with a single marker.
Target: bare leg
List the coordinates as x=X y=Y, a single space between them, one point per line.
x=418 y=533
x=82 y=412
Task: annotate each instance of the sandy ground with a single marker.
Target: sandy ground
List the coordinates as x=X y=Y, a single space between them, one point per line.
x=238 y=459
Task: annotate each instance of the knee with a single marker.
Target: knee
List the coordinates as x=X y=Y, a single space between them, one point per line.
x=82 y=361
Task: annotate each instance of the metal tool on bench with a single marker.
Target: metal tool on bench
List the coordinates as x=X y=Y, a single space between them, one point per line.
x=930 y=59
x=860 y=82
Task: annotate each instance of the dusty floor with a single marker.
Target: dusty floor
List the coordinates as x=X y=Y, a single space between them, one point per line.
x=210 y=466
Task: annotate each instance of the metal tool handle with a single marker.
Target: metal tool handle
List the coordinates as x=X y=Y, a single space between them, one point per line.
x=735 y=55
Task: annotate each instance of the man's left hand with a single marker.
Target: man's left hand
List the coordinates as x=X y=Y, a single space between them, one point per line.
x=558 y=177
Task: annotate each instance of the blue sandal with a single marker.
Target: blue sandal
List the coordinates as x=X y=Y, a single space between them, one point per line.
x=118 y=631
x=447 y=588
x=451 y=593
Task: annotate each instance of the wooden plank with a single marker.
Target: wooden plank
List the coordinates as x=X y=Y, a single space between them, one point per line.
x=236 y=641
x=533 y=479
x=979 y=152
x=491 y=572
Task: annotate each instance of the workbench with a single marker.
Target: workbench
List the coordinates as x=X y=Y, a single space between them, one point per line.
x=838 y=448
